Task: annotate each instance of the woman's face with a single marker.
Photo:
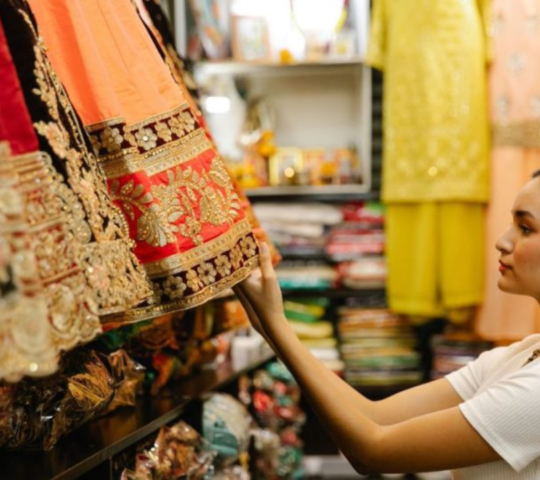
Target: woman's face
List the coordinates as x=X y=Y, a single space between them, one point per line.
x=519 y=246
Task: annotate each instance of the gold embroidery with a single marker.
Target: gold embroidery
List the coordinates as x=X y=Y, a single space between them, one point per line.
x=187 y=196
x=26 y=336
x=204 y=295
x=194 y=257
x=170 y=151
x=99 y=227
x=523 y=134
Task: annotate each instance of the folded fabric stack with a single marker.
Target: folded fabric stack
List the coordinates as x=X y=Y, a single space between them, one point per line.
x=453 y=351
x=358 y=244
x=298 y=274
x=378 y=348
x=298 y=228
x=306 y=319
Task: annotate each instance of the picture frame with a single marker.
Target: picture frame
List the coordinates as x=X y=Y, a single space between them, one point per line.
x=250 y=38
x=212 y=22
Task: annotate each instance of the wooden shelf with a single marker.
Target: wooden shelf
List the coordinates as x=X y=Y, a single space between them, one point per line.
x=99 y=440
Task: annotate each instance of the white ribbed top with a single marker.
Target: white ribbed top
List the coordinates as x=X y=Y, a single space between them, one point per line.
x=502 y=402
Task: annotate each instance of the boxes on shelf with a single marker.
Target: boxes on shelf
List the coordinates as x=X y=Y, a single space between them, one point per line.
x=315 y=166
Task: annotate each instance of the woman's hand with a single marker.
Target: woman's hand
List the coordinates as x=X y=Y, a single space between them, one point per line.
x=260 y=295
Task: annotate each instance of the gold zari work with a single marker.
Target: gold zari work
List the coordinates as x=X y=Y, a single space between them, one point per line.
x=166 y=177
x=26 y=336
x=114 y=279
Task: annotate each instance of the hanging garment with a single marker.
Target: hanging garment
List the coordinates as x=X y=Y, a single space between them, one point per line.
x=26 y=337
x=434 y=56
x=515 y=115
x=434 y=270
x=41 y=281
x=191 y=234
x=112 y=279
x=158 y=25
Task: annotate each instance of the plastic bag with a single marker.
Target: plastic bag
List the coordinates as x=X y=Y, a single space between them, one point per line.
x=179 y=453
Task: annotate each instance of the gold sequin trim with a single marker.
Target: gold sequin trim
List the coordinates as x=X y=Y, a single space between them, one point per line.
x=155 y=145
x=193 y=257
x=98 y=226
x=205 y=294
x=523 y=134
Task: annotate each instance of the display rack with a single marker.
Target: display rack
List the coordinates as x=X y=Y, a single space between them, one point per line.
x=95 y=444
x=325 y=193
x=232 y=67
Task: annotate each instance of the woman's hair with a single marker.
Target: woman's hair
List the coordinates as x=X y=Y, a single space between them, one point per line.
x=536 y=174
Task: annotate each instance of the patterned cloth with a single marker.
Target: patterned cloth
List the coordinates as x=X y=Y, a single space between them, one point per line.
x=434 y=55
x=190 y=231
x=98 y=234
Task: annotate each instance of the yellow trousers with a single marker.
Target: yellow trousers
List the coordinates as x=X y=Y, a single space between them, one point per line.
x=435 y=255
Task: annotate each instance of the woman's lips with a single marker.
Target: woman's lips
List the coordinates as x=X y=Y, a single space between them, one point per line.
x=503 y=267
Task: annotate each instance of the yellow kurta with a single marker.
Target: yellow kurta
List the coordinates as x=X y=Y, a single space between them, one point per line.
x=433 y=53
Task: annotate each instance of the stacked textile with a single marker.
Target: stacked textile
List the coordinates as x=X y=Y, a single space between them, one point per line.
x=306 y=319
x=298 y=228
x=454 y=351
x=378 y=348
x=358 y=245
x=298 y=274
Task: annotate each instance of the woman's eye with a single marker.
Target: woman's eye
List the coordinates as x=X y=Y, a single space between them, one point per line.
x=525 y=229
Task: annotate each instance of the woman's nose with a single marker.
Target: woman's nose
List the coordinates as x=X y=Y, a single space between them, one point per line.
x=504 y=244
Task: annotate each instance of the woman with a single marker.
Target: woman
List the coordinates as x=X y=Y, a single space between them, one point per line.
x=482 y=422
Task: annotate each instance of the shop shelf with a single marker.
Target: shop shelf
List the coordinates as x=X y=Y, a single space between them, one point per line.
x=233 y=67
x=332 y=292
x=99 y=440
x=322 y=193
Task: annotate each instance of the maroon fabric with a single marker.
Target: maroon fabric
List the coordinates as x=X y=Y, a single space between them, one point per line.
x=15 y=123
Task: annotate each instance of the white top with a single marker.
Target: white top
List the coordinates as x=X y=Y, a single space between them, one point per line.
x=502 y=403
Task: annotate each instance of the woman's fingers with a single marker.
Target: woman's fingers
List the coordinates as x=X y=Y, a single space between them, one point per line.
x=265 y=260
x=253 y=318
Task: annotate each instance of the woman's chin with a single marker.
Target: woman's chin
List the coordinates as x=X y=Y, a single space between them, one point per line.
x=507 y=287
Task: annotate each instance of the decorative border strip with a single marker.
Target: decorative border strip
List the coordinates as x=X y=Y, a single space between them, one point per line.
x=186 y=260
x=158 y=159
x=520 y=134
x=204 y=295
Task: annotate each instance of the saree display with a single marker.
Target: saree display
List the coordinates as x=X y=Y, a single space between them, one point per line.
x=110 y=278
x=43 y=309
x=157 y=23
x=190 y=231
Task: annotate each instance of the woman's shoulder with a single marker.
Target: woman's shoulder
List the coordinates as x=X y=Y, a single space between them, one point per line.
x=503 y=354
x=526 y=343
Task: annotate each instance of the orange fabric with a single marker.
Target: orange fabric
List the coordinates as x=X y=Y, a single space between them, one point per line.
x=106 y=60
x=515 y=116
x=504 y=316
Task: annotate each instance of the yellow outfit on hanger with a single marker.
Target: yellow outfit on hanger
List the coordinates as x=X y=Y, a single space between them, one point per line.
x=435 y=99
x=435 y=244
x=436 y=144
